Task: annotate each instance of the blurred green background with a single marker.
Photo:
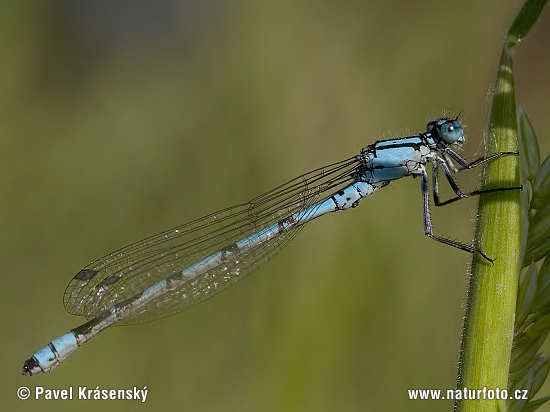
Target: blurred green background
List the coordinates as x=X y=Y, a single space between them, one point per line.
x=122 y=119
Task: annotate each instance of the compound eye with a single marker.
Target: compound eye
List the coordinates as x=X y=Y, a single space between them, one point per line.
x=436 y=124
x=451 y=132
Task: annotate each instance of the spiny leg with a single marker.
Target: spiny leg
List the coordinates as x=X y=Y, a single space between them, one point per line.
x=428 y=228
x=465 y=165
x=459 y=194
x=435 y=175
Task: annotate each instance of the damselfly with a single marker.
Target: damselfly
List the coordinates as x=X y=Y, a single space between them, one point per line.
x=181 y=267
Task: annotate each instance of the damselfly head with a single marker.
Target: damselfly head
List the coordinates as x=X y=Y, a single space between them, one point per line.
x=450 y=131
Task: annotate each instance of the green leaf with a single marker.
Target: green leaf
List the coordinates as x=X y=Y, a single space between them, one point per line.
x=526 y=294
x=524 y=21
x=543 y=288
x=537 y=403
x=540 y=372
x=525 y=349
x=529 y=147
x=486 y=358
x=540 y=327
x=541 y=186
x=487 y=344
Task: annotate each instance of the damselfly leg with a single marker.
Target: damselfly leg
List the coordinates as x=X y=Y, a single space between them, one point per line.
x=448 y=168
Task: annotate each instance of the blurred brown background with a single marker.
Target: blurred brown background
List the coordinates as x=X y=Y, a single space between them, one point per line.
x=122 y=119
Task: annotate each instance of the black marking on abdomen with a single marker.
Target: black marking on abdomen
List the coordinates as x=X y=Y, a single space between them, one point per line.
x=289 y=221
x=30 y=365
x=85 y=274
x=123 y=308
x=53 y=349
x=336 y=205
x=227 y=251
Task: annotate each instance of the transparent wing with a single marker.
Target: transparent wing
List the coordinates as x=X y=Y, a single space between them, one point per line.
x=129 y=271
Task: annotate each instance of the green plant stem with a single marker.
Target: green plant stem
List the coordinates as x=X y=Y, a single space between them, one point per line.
x=489 y=322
